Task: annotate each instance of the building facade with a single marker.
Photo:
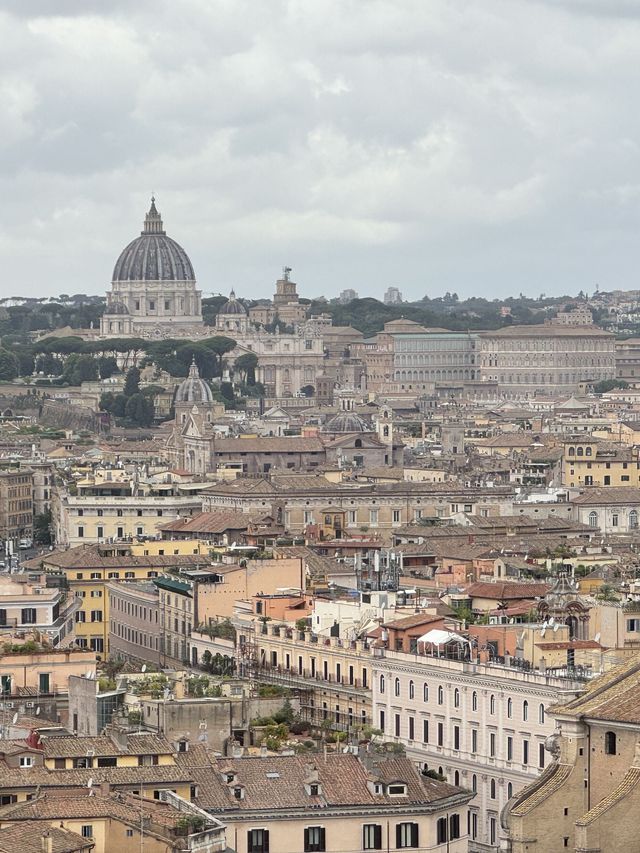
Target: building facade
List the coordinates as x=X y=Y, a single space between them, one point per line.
x=16 y=504
x=548 y=358
x=482 y=726
x=135 y=631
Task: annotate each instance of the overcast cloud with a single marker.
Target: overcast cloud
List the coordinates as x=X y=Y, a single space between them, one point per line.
x=481 y=147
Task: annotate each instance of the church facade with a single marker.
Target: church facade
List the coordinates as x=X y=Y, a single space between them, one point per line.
x=153 y=291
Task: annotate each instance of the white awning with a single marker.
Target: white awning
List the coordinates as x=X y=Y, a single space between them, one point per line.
x=440 y=638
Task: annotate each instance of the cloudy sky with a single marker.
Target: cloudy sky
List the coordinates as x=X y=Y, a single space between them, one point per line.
x=481 y=147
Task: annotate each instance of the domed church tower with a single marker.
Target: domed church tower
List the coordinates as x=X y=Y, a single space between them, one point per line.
x=153 y=292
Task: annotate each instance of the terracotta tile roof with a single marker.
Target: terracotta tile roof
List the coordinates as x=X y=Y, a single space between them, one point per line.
x=76 y=747
x=413 y=621
x=271 y=444
x=279 y=782
x=31 y=778
x=622 y=495
x=209 y=522
x=628 y=783
x=551 y=780
x=614 y=696
x=92 y=557
x=26 y=837
x=506 y=591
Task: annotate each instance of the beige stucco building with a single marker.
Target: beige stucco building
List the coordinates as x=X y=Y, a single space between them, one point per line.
x=549 y=358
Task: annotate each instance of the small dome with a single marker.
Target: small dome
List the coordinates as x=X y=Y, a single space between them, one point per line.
x=346 y=422
x=193 y=389
x=232 y=306
x=116 y=308
x=153 y=256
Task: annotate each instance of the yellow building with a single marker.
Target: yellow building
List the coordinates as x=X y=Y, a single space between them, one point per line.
x=587 y=462
x=89 y=568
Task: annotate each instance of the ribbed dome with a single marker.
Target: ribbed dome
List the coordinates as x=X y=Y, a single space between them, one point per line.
x=346 y=422
x=232 y=306
x=153 y=256
x=193 y=389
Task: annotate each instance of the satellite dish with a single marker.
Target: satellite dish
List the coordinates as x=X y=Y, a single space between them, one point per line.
x=14 y=719
x=143 y=668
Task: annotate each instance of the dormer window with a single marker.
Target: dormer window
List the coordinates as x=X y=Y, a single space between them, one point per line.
x=238 y=792
x=398 y=789
x=230 y=777
x=313 y=789
x=183 y=746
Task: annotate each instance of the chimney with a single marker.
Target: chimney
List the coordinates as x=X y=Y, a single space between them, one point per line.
x=105 y=789
x=46 y=842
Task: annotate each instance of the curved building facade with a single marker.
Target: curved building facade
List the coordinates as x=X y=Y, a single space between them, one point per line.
x=153 y=290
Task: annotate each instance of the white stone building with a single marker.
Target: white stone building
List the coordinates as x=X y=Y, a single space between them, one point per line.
x=482 y=726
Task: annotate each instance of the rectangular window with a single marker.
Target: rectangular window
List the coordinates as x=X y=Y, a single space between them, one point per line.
x=86 y=830
x=406 y=835
x=441 y=830
x=397 y=725
x=456 y=737
x=373 y=517
x=372 y=836
x=541 y=756
x=28 y=616
x=44 y=682
x=382 y=721
x=26 y=761
x=474 y=740
x=440 y=734
x=258 y=841
x=96 y=615
x=396 y=516
x=525 y=751
x=411 y=728
x=454 y=826
x=509 y=749
x=80 y=532
x=314 y=839
x=492 y=745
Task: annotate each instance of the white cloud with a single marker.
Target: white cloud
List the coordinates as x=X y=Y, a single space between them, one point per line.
x=435 y=145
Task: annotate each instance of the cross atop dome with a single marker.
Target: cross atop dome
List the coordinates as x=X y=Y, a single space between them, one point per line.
x=153 y=221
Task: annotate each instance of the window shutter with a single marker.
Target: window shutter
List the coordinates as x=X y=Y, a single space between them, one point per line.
x=377 y=834
x=414 y=834
x=265 y=841
x=398 y=835
x=322 y=839
x=306 y=839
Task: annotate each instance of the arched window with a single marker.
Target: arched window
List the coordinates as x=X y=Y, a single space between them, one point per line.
x=572 y=451
x=412 y=690
x=493 y=789
x=440 y=695
x=456 y=698
x=587 y=451
x=525 y=710
x=474 y=701
x=579 y=451
x=593 y=519
x=474 y=783
x=382 y=684
x=541 y=713
x=425 y=692
x=357 y=442
x=492 y=704
x=633 y=519
x=397 y=687
x=509 y=790
x=610 y=743
x=509 y=708
x=456 y=778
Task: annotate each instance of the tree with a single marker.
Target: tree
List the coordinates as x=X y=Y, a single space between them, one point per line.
x=42 y=528
x=80 y=368
x=246 y=365
x=132 y=382
x=609 y=385
x=107 y=366
x=9 y=365
x=139 y=410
